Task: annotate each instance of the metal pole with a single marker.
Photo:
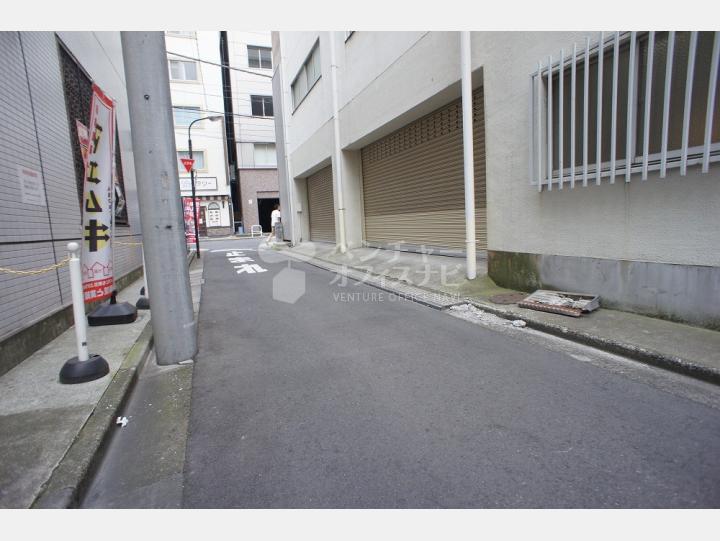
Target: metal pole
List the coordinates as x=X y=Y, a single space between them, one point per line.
x=469 y=172
x=161 y=216
x=192 y=186
x=337 y=151
x=76 y=289
x=84 y=367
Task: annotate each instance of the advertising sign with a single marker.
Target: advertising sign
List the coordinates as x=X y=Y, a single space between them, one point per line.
x=98 y=200
x=84 y=139
x=188 y=218
x=202 y=184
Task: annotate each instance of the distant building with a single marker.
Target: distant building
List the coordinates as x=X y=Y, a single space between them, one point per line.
x=197 y=91
x=614 y=192
x=254 y=125
x=227 y=73
x=46 y=90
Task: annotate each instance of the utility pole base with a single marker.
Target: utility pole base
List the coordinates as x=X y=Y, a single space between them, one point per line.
x=76 y=371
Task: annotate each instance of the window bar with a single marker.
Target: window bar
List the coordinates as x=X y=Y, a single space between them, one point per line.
x=666 y=104
x=538 y=113
x=613 y=128
x=711 y=101
x=648 y=93
x=688 y=101
x=549 y=126
x=572 y=117
x=598 y=140
x=630 y=109
x=586 y=102
x=560 y=118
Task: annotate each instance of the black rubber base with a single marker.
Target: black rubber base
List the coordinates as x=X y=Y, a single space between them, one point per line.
x=112 y=314
x=143 y=303
x=75 y=371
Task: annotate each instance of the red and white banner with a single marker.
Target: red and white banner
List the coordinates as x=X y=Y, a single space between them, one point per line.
x=188 y=218
x=84 y=139
x=98 y=200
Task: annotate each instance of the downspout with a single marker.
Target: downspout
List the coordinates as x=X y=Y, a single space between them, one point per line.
x=469 y=173
x=285 y=119
x=337 y=152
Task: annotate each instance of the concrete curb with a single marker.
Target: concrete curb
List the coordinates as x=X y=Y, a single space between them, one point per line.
x=647 y=356
x=71 y=476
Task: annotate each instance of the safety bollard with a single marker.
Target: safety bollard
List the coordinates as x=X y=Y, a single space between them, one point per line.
x=143 y=303
x=85 y=366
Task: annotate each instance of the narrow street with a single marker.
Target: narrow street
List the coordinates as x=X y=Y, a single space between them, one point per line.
x=368 y=401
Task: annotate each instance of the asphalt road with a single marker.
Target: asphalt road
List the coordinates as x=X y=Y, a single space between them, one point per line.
x=363 y=401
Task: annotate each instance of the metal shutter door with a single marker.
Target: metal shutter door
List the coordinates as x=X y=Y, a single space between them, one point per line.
x=413 y=181
x=320 y=205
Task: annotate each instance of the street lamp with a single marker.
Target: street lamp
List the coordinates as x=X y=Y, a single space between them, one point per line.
x=212 y=118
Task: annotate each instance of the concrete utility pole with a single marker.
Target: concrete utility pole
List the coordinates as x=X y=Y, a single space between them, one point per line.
x=161 y=215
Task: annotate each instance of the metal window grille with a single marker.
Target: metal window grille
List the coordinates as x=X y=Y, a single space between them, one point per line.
x=630 y=103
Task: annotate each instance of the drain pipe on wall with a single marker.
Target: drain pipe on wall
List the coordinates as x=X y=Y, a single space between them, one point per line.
x=469 y=173
x=337 y=153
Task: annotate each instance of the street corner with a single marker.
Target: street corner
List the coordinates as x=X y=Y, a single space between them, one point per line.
x=289 y=285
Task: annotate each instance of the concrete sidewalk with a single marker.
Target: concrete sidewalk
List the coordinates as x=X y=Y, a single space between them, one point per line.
x=53 y=435
x=682 y=348
x=40 y=417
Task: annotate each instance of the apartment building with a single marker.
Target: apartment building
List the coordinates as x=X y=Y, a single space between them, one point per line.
x=196 y=88
x=45 y=92
x=594 y=156
x=253 y=111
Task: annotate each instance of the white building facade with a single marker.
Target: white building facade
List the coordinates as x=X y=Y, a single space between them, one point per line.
x=371 y=154
x=197 y=91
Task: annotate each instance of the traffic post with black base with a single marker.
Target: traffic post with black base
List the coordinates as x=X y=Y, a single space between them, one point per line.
x=86 y=366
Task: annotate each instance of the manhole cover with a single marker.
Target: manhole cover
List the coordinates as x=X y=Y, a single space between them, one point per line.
x=507 y=298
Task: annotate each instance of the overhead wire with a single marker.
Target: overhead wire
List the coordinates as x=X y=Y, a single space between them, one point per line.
x=219 y=64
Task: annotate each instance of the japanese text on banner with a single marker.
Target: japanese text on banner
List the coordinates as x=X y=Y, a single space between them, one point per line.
x=98 y=200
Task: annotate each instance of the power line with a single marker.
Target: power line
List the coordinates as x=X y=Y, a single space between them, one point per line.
x=193 y=108
x=220 y=65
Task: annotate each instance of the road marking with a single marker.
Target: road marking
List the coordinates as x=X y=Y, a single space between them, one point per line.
x=250 y=269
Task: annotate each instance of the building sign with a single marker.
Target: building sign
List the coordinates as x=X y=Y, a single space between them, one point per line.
x=98 y=200
x=202 y=184
x=31 y=186
x=188 y=218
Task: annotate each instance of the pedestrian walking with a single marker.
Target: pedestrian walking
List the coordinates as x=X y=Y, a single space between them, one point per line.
x=274 y=220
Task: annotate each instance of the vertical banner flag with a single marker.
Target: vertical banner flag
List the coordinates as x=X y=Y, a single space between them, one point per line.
x=84 y=139
x=188 y=218
x=98 y=200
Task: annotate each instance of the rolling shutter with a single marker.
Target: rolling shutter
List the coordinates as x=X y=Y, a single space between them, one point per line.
x=413 y=182
x=320 y=205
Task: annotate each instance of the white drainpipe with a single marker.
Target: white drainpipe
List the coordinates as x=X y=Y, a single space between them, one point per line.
x=337 y=153
x=469 y=173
